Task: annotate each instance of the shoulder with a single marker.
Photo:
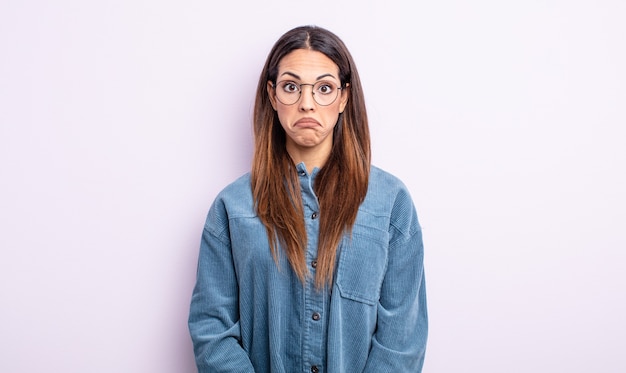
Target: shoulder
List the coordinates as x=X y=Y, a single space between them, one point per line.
x=381 y=179
x=239 y=188
x=388 y=196
x=385 y=188
x=235 y=200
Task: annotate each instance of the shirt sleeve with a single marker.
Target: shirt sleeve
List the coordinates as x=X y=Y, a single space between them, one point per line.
x=214 y=311
x=399 y=343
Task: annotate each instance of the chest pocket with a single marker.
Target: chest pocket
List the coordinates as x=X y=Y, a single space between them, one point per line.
x=362 y=264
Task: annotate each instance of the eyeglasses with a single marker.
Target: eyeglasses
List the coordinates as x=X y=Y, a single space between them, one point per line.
x=324 y=93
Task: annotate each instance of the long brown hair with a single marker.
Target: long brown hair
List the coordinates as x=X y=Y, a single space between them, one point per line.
x=341 y=184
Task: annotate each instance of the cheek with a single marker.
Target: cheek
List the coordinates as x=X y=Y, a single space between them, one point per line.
x=331 y=117
x=332 y=120
x=285 y=116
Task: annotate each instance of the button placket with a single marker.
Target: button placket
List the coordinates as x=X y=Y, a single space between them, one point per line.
x=314 y=300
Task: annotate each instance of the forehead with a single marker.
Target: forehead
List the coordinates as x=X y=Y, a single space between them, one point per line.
x=307 y=64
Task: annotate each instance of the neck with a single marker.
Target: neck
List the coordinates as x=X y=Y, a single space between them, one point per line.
x=311 y=157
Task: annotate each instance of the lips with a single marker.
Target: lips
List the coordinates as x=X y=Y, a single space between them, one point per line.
x=306 y=123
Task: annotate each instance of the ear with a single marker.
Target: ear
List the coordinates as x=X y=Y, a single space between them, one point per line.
x=271 y=95
x=345 y=94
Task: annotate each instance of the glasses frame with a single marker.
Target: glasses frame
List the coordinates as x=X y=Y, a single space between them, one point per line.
x=275 y=85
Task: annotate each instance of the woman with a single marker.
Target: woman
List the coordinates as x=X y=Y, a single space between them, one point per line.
x=312 y=262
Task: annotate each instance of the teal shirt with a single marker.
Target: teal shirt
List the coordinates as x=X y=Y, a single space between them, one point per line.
x=249 y=315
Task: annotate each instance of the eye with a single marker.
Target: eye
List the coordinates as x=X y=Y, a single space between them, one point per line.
x=325 y=88
x=290 y=87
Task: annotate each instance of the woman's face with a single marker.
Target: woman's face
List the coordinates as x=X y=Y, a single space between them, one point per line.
x=308 y=125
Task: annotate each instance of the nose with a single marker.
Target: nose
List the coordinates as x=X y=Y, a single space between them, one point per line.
x=307 y=103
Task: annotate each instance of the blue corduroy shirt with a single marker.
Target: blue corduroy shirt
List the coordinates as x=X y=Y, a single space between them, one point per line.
x=249 y=315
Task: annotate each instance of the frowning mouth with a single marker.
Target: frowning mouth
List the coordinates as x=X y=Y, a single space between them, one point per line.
x=306 y=123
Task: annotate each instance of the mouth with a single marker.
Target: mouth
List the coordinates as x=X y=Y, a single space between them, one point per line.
x=306 y=123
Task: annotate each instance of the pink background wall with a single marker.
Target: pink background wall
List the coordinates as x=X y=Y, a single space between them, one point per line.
x=121 y=120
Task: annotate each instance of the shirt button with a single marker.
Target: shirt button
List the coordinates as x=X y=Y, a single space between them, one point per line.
x=314 y=264
x=314 y=216
x=316 y=316
x=302 y=173
x=315 y=369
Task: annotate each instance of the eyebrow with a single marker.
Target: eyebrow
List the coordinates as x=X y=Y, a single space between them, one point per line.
x=296 y=76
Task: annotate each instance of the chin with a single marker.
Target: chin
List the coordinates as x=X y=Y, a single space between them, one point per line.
x=307 y=142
